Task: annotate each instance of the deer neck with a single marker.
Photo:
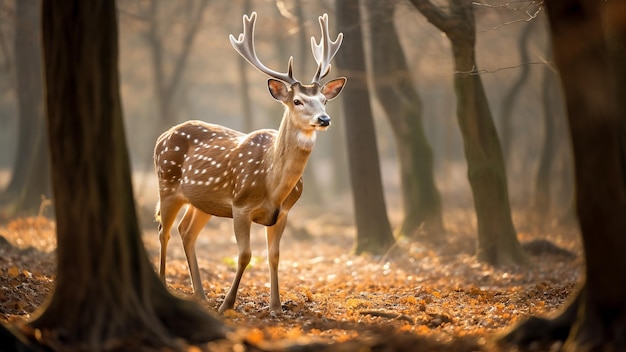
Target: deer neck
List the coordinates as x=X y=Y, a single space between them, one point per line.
x=291 y=151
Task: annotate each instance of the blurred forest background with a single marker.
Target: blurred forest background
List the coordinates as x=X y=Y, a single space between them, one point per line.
x=177 y=64
x=443 y=170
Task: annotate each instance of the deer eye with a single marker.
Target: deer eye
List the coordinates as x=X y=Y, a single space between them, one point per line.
x=297 y=102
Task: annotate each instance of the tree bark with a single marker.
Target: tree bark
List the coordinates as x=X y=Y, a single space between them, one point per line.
x=107 y=295
x=497 y=240
x=373 y=230
x=403 y=107
x=593 y=97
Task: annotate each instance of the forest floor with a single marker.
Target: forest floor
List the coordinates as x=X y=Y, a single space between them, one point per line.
x=428 y=298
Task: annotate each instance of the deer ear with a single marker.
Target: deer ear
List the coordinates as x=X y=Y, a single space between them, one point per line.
x=332 y=88
x=278 y=89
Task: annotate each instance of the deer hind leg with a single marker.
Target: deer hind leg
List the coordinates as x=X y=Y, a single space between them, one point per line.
x=168 y=209
x=273 y=235
x=189 y=228
x=241 y=222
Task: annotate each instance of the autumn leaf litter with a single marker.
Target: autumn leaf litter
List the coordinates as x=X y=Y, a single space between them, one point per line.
x=437 y=292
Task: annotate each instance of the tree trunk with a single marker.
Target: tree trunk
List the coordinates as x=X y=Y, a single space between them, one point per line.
x=31 y=172
x=593 y=96
x=167 y=82
x=497 y=240
x=540 y=212
x=107 y=295
x=508 y=102
x=402 y=104
x=373 y=230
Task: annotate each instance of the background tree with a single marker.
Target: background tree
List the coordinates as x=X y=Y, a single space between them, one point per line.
x=373 y=230
x=583 y=35
x=30 y=179
x=403 y=107
x=540 y=209
x=107 y=295
x=169 y=66
x=497 y=240
x=510 y=97
x=7 y=72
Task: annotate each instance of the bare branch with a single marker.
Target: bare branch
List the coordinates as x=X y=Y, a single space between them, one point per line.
x=531 y=14
x=526 y=4
x=187 y=44
x=433 y=14
x=475 y=72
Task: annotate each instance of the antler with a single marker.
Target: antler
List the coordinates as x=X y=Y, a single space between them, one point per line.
x=325 y=50
x=245 y=47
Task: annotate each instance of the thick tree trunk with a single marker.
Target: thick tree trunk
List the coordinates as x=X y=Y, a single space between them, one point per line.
x=373 y=230
x=402 y=104
x=497 y=240
x=107 y=295
x=593 y=97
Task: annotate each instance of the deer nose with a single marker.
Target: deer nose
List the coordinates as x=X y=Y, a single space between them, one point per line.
x=324 y=120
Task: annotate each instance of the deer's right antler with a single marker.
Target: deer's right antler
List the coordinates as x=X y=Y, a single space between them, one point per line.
x=245 y=47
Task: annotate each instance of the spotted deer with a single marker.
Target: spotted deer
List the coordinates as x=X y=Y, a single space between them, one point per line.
x=255 y=177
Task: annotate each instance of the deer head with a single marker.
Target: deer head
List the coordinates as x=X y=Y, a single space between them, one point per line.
x=308 y=100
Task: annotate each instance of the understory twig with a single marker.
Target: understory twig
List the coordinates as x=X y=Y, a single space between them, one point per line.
x=388 y=315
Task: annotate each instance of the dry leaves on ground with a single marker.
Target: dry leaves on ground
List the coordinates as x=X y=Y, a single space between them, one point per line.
x=430 y=298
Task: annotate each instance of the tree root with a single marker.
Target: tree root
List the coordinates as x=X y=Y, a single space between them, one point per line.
x=544 y=331
x=580 y=327
x=12 y=340
x=136 y=322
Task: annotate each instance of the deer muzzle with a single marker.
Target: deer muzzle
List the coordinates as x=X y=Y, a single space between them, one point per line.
x=323 y=121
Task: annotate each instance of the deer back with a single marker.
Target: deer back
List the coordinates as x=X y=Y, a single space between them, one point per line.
x=215 y=168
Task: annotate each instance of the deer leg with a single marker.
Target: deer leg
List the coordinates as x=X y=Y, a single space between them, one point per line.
x=168 y=209
x=273 y=235
x=242 y=224
x=189 y=228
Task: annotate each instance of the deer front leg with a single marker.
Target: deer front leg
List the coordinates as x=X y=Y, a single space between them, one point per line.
x=189 y=228
x=241 y=222
x=273 y=235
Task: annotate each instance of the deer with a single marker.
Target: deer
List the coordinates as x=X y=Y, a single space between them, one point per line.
x=252 y=178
